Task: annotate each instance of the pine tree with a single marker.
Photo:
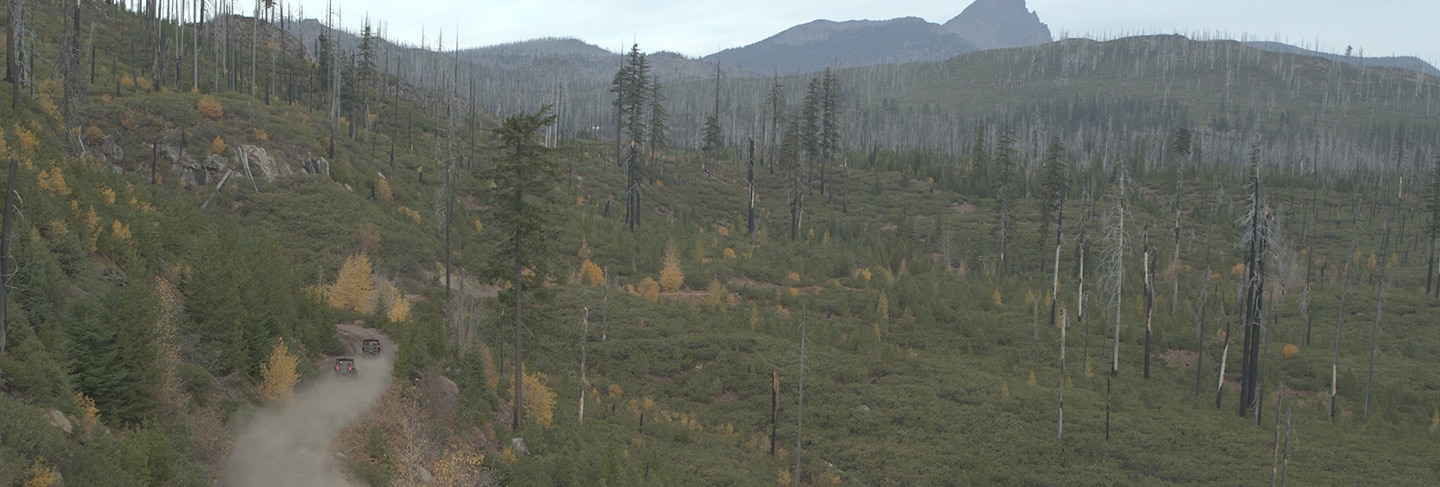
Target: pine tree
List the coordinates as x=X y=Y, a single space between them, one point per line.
x=631 y=86
x=1055 y=187
x=791 y=163
x=809 y=121
x=980 y=157
x=1432 y=224
x=714 y=138
x=659 y=121
x=522 y=215
x=829 y=136
x=1004 y=189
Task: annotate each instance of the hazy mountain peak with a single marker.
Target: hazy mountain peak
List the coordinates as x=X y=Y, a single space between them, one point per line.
x=996 y=24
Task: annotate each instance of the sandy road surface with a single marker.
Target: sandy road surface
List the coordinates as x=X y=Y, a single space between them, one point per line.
x=290 y=446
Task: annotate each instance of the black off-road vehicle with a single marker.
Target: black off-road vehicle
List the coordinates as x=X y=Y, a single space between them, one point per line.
x=370 y=347
x=345 y=367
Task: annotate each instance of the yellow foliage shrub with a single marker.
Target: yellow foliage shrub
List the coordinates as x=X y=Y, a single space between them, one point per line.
x=120 y=231
x=217 y=146
x=793 y=276
x=414 y=215
x=89 y=414
x=279 y=374
x=209 y=108
x=591 y=274
x=716 y=294
x=39 y=474
x=784 y=477
x=382 y=188
x=614 y=390
x=53 y=180
x=399 y=309
x=671 y=278
x=492 y=377
x=479 y=227
x=729 y=253
x=28 y=143
x=108 y=195
x=1290 y=350
x=539 y=401
x=1239 y=269
x=649 y=289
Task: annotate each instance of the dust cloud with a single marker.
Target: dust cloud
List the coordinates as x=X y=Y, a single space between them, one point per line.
x=290 y=446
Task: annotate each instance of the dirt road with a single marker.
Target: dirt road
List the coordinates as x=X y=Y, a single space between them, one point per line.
x=290 y=446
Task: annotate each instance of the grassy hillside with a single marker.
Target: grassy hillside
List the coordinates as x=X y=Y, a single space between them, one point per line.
x=923 y=363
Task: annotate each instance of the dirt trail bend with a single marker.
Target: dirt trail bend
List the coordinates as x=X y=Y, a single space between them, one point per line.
x=290 y=446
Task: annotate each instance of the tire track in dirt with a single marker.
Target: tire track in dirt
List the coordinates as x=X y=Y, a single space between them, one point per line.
x=290 y=446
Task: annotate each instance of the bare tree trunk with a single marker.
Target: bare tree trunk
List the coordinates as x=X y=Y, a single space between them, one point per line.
x=750 y=179
x=584 y=334
x=800 y=404
x=1080 y=305
x=1224 y=357
x=774 y=408
x=605 y=303
x=1374 y=340
x=1200 y=332
x=5 y=252
x=1340 y=324
x=1119 y=287
x=1175 y=265
x=1275 y=457
x=1285 y=454
x=14 y=71
x=519 y=364
x=1060 y=428
x=1148 y=258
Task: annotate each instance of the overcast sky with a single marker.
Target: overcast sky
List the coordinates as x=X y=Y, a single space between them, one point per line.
x=698 y=28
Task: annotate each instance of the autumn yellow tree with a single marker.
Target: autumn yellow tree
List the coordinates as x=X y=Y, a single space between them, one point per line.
x=591 y=273
x=382 y=188
x=399 y=309
x=209 y=108
x=217 y=146
x=539 y=401
x=279 y=374
x=354 y=288
x=671 y=278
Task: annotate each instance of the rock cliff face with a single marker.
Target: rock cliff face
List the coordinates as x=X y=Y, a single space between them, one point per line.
x=985 y=24
x=998 y=24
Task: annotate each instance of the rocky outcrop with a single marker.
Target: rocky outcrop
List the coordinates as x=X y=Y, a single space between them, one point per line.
x=261 y=164
x=109 y=151
x=998 y=24
x=315 y=165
